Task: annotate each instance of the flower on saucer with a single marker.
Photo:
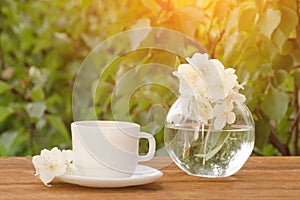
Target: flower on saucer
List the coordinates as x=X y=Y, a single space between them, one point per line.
x=70 y=167
x=53 y=163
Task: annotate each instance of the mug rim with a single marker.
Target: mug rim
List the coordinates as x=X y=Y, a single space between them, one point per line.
x=104 y=124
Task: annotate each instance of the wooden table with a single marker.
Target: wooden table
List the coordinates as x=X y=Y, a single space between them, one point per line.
x=260 y=178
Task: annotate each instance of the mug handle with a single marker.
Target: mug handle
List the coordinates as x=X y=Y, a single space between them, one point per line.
x=152 y=147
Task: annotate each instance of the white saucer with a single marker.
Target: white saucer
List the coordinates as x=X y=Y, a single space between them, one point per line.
x=143 y=175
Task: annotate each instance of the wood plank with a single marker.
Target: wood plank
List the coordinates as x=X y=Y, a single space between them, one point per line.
x=260 y=178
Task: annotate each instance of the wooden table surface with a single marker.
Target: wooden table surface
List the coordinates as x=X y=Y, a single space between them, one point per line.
x=260 y=178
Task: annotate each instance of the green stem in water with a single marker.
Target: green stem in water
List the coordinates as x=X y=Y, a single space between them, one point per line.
x=186 y=147
x=205 y=144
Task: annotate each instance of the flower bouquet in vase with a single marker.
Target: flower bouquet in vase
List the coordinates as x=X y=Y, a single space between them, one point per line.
x=209 y=131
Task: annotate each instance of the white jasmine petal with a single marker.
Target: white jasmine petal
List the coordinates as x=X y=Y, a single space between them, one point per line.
x=68 y=155
x=46 y=177
x=71 y=168
x=183 y=109
x=205 y=110
x=191 y=82
x=217 y=91
x=212 y=72
x=230 y=117
x=36 y=162
x=218 y=109
x=219 y=122
x=230 y=71
x=237 y=97
x=199 y=59
x=205 y=66
x=223 y=114
x=228 y=105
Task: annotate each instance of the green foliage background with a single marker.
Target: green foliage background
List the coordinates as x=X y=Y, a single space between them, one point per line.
x=42 y=44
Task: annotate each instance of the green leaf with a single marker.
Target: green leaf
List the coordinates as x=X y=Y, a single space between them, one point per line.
x=270 y=150
x=279 y=38
x=3 y=87
x=4 y=113
x=36 y=109
x=266 y=70
x=262 y=132
x=296 y=76
x=275 y=104
x=269 y=21
x=282 y=61
x=85 y=3
x=176 y=63
x=6 y=141
x=280 y=76
x=37 y=93
x=57 y=123
x=289 y=16
x=288 y=47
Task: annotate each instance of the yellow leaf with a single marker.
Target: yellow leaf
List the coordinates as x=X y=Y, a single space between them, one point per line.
x=152 y=6
x=269 y=21
x=279 y=37
x=289 y=16
x=232 y=22
x=222 y=7
x=247 y=19
x=288 y=47
x=182 y=3
x=230 y=43
x=282 y=61
x=188 y=19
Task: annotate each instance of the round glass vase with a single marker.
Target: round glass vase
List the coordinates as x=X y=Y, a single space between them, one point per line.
x=199 y=149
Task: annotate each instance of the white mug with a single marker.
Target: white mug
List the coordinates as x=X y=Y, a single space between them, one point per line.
x=108 y=149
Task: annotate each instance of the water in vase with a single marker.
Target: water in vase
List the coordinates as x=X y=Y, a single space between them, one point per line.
x=209 y=153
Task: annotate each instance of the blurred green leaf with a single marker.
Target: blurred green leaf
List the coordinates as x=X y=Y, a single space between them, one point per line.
x=296 y=76
x=279 y=38
x=177 y=63
x=280 y=76
x=270 y=150
x=3 y=87
x=57 y=123
x=4 y=113
x=288 y=47
x=6 y=141
x=282 y=61
x=275 y=104
x=262 y=132
x=85 y=3
x=37 y=93
x=36 y=109
x=289 y=18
